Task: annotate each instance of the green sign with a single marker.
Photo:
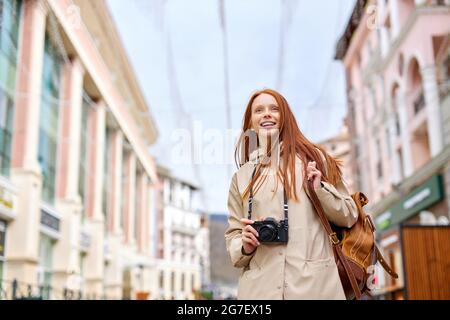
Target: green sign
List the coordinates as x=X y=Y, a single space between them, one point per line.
x=423 y=197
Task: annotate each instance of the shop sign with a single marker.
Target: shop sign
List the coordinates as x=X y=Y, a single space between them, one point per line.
x=421 y=198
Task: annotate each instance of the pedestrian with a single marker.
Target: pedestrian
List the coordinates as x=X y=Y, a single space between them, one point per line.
x=274 y=235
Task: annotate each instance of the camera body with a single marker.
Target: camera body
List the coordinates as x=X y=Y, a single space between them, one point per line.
x=271 y=231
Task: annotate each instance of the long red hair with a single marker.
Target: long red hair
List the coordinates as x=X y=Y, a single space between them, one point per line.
x=294 y=144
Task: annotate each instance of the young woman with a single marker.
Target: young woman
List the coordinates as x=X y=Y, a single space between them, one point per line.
x=300 y=263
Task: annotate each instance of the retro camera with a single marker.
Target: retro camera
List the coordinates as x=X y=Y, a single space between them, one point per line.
x=271 y=231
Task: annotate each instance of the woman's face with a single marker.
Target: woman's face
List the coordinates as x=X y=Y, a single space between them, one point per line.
x=265 y=113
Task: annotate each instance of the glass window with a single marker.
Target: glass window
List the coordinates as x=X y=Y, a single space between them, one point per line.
x=9 y=38
x=45 y=269
x=48 y=125
x=6 y=125
x=9 y=29
x=83 y=153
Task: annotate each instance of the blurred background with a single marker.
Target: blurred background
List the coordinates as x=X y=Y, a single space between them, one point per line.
x=119 y=119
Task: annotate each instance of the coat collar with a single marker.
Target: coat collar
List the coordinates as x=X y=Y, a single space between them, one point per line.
x=259 y=153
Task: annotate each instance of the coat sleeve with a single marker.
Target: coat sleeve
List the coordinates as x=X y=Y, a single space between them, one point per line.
x=338 y=204
x=233 y=234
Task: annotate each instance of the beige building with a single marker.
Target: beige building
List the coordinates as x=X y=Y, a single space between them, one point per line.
x=183 y=240
x=77 y=183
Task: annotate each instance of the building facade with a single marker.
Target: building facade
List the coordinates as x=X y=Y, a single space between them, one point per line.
x=183 y=241
x=338 y=146
x=397 y=60
x=224 y=275
x=77 y=183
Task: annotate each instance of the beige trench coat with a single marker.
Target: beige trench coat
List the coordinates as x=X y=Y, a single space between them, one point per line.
x=304 y=268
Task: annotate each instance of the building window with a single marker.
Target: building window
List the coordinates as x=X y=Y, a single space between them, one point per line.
x=193 y=288
x=379 y=160
x=82 y=174
x=48 y=123
x=161 y=279
x=45 y=268
x=6 y=123
x=400 y=160
x=171 y=191
x=183 y=287
x=388 y=141
x=397 y=124
x=2 y=247
x=9 y=38
x=172 y=282
x=419 y=103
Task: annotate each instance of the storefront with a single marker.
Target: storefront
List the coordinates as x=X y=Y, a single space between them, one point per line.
x=2 y=247
x=49 y=234
x=424 y=205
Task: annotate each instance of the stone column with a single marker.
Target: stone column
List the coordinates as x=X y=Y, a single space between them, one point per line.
x=142 y=213
x=95 y=165
x=115 y=197
x=405 y=134
x=434 y=115
x=68 y=203
x=23 y=235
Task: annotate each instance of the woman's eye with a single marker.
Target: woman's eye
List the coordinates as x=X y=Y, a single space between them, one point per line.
x=275 y=108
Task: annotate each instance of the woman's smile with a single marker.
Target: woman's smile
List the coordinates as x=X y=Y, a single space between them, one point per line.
x=267 y=124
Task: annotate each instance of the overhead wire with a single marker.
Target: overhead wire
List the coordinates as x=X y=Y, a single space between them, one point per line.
x=223 y=27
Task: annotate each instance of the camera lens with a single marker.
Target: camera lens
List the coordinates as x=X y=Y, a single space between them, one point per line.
x=267 y=233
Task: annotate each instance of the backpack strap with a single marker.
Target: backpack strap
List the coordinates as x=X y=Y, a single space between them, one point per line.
x=333 y=239
x=384 y=263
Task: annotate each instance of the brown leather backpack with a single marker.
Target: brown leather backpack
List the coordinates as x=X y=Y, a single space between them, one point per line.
x=354 y=248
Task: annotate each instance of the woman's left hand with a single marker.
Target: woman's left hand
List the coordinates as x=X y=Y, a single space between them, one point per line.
x=313 y=173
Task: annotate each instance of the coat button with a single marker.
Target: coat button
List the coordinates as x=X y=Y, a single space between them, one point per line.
x=280 y=253
x=279 y=287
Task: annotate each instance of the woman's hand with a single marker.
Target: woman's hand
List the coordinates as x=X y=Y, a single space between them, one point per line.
x=313 y=173
x=249 y=234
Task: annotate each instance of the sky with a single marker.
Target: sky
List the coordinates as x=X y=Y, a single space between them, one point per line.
x=176 y=48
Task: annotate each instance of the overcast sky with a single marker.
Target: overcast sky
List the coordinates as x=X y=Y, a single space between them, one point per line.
x=185 y=90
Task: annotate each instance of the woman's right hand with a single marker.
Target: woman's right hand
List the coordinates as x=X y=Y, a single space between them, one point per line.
x=249 y=234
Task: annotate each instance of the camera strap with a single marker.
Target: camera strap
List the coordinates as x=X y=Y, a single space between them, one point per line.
x=250 y=201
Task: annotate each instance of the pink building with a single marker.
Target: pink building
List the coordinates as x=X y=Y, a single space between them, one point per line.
x=339 y=147
x=397 y=60
x=76 y=181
